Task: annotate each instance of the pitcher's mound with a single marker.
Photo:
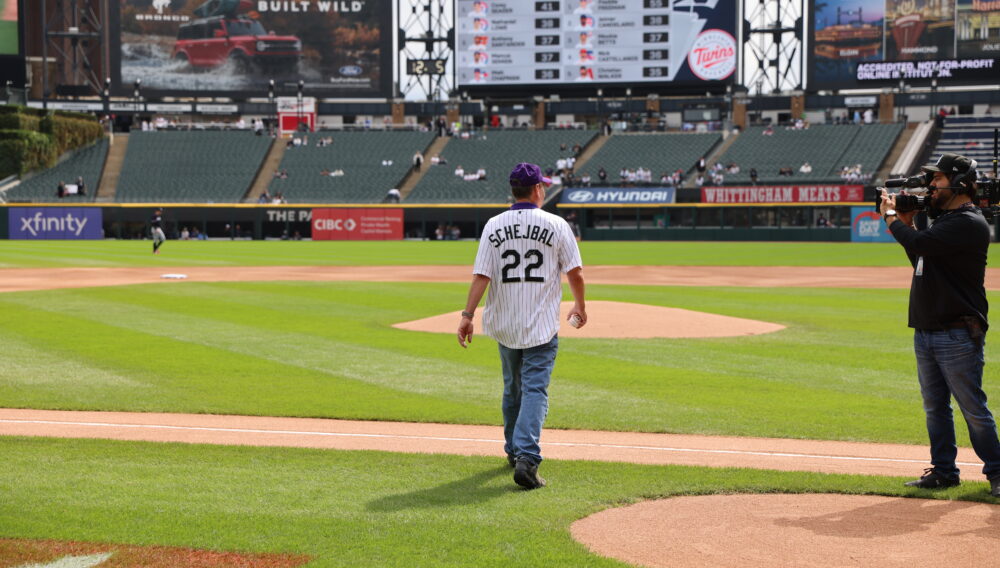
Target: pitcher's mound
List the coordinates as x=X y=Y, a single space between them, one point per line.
x=621 y=320
x=751 y=531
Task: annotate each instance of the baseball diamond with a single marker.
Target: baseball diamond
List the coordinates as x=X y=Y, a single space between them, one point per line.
x=320 y=342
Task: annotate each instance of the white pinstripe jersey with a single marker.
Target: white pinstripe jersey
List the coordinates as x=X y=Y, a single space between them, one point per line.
x=524 y=253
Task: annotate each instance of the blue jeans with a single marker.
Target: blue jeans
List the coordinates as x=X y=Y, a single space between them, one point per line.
x=949 y=363
x=526 y=375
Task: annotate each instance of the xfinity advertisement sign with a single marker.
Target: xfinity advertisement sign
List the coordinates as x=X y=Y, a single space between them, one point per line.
x=620 y=196
x=49 y=223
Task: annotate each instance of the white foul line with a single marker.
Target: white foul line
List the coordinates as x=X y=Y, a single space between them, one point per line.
x=478 y=440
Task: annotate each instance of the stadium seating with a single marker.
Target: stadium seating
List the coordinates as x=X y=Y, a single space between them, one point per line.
x=360 y=155
x=496 y=152
x=659 y=153
x=190 y=167
x=827 y=148
x=970 y=136
x=86 y=162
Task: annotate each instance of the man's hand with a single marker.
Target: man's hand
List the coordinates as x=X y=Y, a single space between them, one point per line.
x=576 y=310
x=888 y=202
x=465 y=332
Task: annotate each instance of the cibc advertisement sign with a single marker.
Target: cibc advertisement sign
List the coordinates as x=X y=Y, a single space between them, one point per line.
x=362 y=224
x=52 y=223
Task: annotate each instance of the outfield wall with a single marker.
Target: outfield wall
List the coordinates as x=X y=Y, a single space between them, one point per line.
x=676 y=222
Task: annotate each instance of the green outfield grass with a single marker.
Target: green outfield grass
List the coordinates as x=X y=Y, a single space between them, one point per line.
x=17 y=254
x=351 y=508
x=843 y=369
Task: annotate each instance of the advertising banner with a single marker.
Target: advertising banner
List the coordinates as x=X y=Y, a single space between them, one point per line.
x=236 y=47
x=618 y=195
x=357 y=224
x=867 y=226
x=49 y=223
x=567 y=42
x=977 y=28
x=919 y=29
x=846 y=32
x=857 y=44
x=784 y=194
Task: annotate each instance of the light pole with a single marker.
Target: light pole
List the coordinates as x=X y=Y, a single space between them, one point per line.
x=107 y=103
x=271 y=110
x=298 y=125
x=136 y=93
x=902 y=106
x=933 y=98
x=628 y=106
x=600 y=109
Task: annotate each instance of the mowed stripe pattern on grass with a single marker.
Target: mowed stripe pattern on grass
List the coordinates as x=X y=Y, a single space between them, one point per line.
x=842 y=369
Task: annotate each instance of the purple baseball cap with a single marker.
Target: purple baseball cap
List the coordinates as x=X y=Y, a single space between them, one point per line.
x=527 y=175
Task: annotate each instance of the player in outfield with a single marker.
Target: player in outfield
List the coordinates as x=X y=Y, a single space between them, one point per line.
x=522 y=255
x=156 y=227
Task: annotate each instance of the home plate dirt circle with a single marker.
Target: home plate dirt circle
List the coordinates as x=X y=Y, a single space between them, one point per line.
x=622 y=320
x=805 y=531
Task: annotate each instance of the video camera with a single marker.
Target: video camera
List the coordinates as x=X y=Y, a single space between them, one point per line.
x=917 y=199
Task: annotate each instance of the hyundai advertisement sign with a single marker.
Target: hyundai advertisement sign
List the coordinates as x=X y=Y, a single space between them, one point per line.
x=867 y=226
x=619 y=196
x=51 y=223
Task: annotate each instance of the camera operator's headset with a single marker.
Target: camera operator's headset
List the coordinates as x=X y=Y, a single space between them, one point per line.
x=959 y=182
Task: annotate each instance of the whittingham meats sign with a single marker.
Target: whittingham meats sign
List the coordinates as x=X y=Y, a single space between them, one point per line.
x=783 y=194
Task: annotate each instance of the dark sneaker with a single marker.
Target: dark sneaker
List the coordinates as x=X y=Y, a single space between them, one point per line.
x=931 y=479
x=526 y=475
x=995 y=487
x=512 y=460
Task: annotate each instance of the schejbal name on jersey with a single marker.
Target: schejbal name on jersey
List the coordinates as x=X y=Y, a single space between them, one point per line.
x=531 y=232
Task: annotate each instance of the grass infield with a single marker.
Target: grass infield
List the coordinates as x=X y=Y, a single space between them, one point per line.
x=350 y=508
x=843 y=369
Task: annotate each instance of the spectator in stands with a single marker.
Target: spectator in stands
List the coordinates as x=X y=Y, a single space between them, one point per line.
x=392 y=196
x=481 y=174
x=279 y=199
x=585 y=180
x=700 y=180
x=439 y=233
x=81 y=188
x=265 y=197
x=753 y=176
x=185 y=234
x=733 y=168
x=857 y=117
x=701 y=165
x=786 y=171
x=805 y=168
x=769 y=131
x=61 y=190
x=869 y=116
x=602 y=174
x=418 y=160
x=577 y=149
x=454 y=233
x=821 y=221
x=459 y=171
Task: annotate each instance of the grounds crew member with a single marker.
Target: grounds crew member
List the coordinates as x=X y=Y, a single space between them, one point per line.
x=521 y=256
x=948 y=314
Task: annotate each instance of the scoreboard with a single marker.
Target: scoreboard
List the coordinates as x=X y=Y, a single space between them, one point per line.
x=574 y=42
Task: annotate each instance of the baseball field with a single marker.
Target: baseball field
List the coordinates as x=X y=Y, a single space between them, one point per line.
x=841 y=369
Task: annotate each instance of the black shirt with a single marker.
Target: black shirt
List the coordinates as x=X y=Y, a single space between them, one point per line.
x=949 y=267
x=156 y=220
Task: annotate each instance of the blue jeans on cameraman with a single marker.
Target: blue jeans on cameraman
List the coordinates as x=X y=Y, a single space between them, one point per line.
x=526 y=375
x=950 y=363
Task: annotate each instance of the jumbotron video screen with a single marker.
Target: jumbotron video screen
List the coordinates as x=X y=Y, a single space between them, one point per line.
x=858 y=43
x=502 y=43
x=236 y=47
x=10 y=42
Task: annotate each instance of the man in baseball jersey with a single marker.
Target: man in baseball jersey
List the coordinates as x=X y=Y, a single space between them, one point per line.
x=522 y=254
x=156 y=222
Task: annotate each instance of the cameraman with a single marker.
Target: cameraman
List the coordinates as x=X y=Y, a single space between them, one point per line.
x=948 y=314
